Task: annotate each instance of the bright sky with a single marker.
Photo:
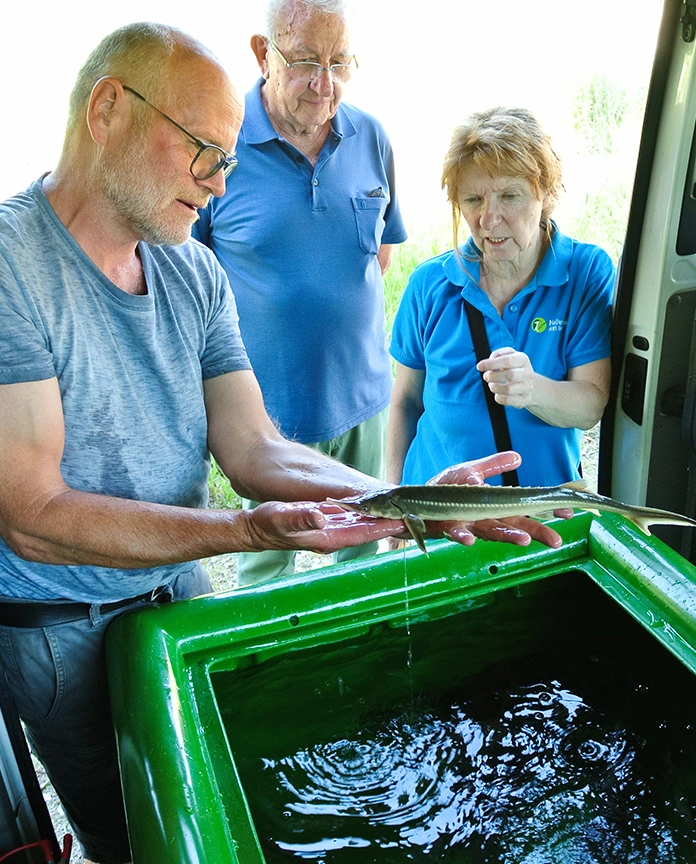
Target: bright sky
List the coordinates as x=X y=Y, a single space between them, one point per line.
x=420 y=74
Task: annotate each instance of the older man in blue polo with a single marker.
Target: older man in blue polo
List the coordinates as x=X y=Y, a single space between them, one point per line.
x=305 y=232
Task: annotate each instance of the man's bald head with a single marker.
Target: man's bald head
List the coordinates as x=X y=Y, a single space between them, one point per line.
x=142 y=55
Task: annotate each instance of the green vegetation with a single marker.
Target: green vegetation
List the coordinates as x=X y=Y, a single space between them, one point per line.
x=221 y=495
x=602 y=220
x=607 y=121
x=407 y=256
x=600 y=110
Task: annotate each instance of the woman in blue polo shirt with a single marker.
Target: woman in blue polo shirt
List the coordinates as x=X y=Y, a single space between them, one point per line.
x=543 y=299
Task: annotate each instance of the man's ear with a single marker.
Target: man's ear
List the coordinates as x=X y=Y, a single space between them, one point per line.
x=259 y=46
x=107 y=106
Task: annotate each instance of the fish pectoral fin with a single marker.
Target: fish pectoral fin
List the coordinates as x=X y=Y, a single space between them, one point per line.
x=546 y=514
x=416 y=528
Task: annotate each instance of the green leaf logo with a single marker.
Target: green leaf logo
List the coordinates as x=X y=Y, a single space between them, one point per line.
x=539 y=325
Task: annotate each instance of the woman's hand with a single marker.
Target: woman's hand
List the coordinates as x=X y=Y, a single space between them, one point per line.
x=510 y=377
x=477 y=471
x=577 y=401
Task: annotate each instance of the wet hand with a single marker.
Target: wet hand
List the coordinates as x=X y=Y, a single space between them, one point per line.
x=316 y=527
x=518 y=530
x=477 y=471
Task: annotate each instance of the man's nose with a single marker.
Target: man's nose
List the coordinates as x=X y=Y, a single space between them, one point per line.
x=323 y=84
x=216 y=183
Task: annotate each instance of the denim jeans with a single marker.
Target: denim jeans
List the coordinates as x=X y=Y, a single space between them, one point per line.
x=58 y=678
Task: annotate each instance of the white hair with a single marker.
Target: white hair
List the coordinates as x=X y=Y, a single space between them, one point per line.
x=277 y=11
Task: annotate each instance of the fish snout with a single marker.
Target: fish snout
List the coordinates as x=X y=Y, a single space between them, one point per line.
x=354 y=505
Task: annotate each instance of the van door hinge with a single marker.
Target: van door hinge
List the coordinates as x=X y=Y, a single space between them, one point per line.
x=688 y=20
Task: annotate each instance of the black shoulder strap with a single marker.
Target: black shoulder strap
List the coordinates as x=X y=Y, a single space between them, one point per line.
x=496 y=411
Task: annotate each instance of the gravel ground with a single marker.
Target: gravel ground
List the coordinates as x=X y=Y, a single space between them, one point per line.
x=222 y=571
x=61 y=826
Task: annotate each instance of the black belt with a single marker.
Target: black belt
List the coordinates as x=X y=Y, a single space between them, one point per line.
x=22 y=614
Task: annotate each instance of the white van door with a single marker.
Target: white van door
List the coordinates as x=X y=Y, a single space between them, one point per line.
x=648 y=440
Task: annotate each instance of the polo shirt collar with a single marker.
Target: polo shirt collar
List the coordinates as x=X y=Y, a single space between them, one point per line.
x=342 y=125
x=468 y=279
x=555 y=266
x=257 y=128
x=552 y=272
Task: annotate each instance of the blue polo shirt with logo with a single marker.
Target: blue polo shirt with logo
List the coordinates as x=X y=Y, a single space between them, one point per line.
x=299 y=245
x=561 y=320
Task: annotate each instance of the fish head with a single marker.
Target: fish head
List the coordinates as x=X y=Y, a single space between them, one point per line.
x=374 y=504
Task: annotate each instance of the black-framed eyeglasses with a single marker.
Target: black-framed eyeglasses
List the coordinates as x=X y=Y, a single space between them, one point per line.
x=210 y=158
x=307 y=70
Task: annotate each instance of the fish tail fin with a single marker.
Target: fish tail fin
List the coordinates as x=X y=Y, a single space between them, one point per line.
x=644 y=516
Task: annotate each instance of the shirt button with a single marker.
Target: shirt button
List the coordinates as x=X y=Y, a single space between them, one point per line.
x=513 y=308
x=316 y=182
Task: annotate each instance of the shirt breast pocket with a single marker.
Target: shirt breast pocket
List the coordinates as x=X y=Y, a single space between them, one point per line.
x=369 y=218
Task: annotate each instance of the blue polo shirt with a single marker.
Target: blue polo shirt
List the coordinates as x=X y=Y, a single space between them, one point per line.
x=299 y=244
x=561 y=320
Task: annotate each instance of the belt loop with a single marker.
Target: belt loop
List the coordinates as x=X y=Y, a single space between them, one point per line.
x=95 y=616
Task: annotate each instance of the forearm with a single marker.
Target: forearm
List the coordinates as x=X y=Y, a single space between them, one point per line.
x=567 y=404
x=576 y=402
x=404 y=412
x=400 y=433
x=282 y=470
x=80 y=528
x=384 y=257
x=259 y=462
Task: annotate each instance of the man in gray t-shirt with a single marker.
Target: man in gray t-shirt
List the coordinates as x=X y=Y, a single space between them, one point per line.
x=131 y=371
x=121 y=370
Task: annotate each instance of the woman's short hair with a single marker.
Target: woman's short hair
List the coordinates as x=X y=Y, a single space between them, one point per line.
x=508 y=142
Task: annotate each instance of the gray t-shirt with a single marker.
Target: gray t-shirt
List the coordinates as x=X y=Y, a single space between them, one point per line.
x=130 y=371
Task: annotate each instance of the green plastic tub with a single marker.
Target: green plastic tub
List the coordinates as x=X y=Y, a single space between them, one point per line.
x=483 y=704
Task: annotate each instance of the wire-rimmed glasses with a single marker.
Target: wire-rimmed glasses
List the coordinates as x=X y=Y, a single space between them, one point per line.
x=209 y=159
x=307 y=70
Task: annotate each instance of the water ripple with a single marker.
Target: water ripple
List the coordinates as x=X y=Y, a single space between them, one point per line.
x=530 y=772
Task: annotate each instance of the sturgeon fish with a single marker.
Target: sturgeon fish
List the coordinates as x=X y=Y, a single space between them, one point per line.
x=457 y=503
